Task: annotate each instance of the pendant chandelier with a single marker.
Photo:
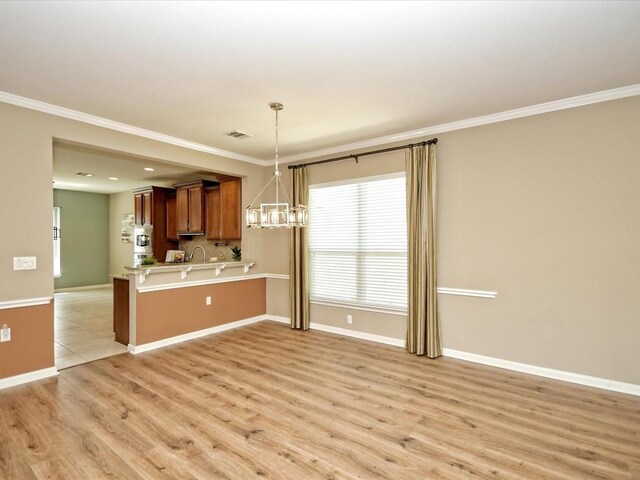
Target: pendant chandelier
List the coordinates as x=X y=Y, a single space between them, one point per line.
x=278 y=214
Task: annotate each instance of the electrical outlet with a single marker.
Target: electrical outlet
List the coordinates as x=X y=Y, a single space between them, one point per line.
x=24 y=263
x=5 y=334
x=207 y=300
x=349 y=319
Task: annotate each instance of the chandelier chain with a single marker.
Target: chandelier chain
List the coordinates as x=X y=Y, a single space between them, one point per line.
x=277 y=155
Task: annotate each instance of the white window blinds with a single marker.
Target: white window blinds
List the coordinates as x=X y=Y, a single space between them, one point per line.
x=358 y=243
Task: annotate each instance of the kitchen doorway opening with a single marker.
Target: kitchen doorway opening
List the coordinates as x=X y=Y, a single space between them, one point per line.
x=93 y=190
x=83 y=326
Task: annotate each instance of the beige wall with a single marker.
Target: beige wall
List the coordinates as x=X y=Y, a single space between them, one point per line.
x=544 y=210
x=120 y=253
x=278 y=297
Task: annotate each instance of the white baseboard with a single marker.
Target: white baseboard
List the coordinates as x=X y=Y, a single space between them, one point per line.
x=571 y=377
x=396 y=342
x=85 y=287
x=279 y=319
x=28 y=377
x=136 y=349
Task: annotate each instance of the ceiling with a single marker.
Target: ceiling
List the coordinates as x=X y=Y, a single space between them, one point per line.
x=345 y=71
x=129 y=171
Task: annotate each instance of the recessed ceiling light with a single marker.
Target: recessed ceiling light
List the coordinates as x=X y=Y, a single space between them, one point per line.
x=149 y=169
x=113 y=178
x=85 y=174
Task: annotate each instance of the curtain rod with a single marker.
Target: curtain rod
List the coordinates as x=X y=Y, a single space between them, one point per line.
x=355 y=157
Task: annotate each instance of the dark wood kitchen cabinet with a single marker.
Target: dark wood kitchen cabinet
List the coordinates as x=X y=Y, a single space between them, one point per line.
x=213 y=213
x=150 y=207
x=191 y=207
x=172 y=217
x=224 y=209
x=230 y=208
x=121 y=310
x=143 y=207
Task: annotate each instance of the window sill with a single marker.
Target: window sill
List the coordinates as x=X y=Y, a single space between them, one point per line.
x=402 y=313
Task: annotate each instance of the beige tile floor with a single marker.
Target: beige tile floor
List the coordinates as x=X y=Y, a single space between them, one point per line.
x=84 y=327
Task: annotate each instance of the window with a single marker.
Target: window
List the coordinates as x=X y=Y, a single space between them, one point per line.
x=358 y=243
x=56 y=242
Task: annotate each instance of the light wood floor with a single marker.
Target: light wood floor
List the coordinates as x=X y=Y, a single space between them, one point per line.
x=266 y=402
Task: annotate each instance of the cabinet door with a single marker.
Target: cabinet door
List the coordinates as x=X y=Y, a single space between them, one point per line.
x=196 y=209
x=147 y=206
x=182 y=210
x=230 y=198
x=138 y=209
x=172 y=218
x=121 y=310
x=213 y=214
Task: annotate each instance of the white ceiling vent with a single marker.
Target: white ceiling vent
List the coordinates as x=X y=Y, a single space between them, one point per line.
x=238 y=134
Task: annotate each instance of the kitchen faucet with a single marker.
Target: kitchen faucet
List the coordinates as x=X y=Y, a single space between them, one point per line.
x=204 y=254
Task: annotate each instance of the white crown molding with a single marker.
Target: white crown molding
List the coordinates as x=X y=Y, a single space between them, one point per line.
x=27 y=302
x=28 y=377
x=571 y=377
x=572 y=102
x=63 y=112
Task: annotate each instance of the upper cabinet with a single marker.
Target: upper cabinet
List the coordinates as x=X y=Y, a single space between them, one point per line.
x=213 y=213
x=223 y=210
x=190 y=207
x=143 y=206
x=172 y=217
x=151 y=209
x=230 y=208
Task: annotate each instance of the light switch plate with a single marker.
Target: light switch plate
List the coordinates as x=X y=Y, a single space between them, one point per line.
x=24 y=263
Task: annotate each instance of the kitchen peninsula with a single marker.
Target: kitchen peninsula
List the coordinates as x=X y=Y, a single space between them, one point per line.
x=171 y=303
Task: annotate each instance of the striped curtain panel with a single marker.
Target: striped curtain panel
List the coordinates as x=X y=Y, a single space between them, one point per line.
x=423 y=328
x=299 y=258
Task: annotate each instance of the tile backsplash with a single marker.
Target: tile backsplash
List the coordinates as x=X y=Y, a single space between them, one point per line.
x=223 y=253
